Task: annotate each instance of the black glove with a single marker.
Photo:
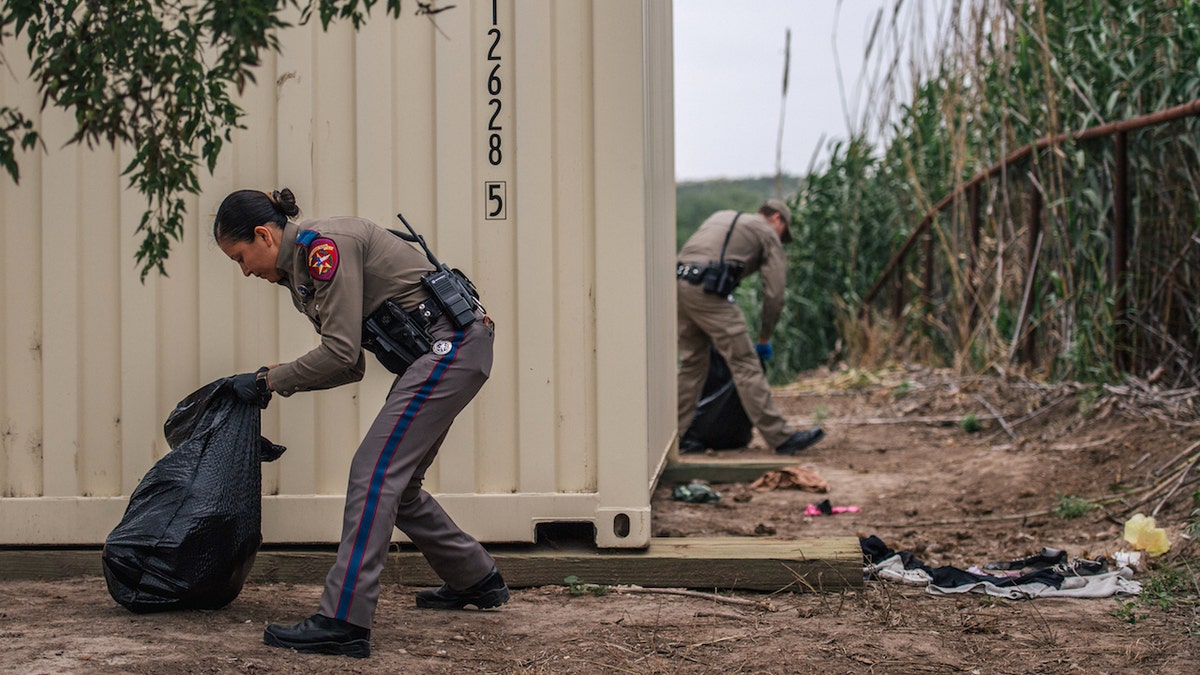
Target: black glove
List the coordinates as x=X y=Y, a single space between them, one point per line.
x=252 y=387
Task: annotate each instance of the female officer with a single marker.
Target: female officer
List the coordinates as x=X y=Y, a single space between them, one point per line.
x=341 y=271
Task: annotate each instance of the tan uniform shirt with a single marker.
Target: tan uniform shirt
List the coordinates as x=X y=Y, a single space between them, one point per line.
x=372 y=265
x=753 y=243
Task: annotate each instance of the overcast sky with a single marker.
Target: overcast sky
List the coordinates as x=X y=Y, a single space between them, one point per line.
x=729 y=57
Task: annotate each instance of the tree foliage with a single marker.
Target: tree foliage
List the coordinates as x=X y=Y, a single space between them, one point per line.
x=161 y=76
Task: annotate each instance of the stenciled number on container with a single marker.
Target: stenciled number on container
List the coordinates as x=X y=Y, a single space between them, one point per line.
x=495 y=192
x=496 y=198
x=494 y=86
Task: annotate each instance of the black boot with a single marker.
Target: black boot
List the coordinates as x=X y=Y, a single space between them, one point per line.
x=491 y=592
x=321 y=635
x=799 y=441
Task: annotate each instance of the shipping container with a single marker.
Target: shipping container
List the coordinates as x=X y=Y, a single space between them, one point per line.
x=530 y=142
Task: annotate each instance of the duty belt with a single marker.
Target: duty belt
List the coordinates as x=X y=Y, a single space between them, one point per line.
x=693 y=274
x=427 y=313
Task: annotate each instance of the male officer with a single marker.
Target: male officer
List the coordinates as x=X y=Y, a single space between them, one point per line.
x=728 y=246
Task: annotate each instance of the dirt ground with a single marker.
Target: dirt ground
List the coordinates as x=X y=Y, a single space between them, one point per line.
x=925 y=485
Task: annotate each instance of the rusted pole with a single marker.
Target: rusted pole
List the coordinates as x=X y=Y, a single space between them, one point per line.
x=898 y=294
x=1120 y=252
x=927 y=292
x=1029 y=340
x=973 y=251
x=898 y=257
x=1189 y=109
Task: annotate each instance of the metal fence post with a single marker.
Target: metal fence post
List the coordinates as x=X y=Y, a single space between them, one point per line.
x=1031 y=260
x=927 y=292
x=973 y=252
x=1122 y=356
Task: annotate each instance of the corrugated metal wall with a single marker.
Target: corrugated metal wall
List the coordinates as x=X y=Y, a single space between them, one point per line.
x=530 y=142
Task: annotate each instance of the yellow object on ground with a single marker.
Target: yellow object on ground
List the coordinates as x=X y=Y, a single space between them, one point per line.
x=1144 y=535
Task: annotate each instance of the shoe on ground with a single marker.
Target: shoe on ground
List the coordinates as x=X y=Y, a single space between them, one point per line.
x=1047 y=557
x=1080 y=567
x=691 y=446
x=320 y=634
x=800 y=440
x=489 y=593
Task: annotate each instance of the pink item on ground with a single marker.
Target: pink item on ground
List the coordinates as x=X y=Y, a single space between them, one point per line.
x=813 y=510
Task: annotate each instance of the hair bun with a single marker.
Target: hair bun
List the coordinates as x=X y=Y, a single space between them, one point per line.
x=285 y=202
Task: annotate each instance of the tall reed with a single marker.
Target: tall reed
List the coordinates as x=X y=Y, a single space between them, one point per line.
x=993 y=77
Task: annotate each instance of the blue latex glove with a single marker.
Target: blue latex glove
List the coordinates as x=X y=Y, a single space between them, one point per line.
x=765 y=351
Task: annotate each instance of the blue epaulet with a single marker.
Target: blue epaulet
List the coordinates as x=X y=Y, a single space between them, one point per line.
x=305 y=238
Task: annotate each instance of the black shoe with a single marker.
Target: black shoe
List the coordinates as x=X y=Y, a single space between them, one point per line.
x=321 y=635
x=688 y=446
x=1082 y=568
x=491 y=592
x=799 y=441
x=1047 y=557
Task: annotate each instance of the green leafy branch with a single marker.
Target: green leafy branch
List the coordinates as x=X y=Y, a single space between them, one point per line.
x=158 y=75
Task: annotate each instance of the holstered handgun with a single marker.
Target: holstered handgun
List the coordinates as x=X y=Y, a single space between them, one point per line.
x=720 y=278
x=395 y=337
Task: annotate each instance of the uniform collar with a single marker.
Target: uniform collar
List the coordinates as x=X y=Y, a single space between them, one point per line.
x=287 y=251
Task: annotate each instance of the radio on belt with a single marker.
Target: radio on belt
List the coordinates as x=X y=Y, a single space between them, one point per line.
x=450 y=288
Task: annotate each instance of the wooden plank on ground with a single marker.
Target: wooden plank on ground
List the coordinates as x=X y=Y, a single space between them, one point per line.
x=724 y=563
x=37 y=564
x=720 y=471
x=720 y=563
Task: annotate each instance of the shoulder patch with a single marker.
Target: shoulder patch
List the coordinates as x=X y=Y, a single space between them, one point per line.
x=322 y=259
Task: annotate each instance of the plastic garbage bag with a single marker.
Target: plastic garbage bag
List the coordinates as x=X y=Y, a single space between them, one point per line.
x=1145 y=535
x=720 y=422
x=194 y=523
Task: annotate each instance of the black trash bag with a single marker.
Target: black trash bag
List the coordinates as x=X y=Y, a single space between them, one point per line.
x=720 y=422
x=194 y=523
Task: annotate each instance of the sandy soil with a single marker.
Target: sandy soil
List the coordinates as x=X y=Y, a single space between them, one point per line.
x=925 y=485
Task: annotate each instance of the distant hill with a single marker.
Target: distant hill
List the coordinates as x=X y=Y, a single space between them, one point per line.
x=697 y=200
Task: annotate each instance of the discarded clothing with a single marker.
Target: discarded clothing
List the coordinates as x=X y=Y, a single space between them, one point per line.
x=884 y=563
x=824 y=508
x=895 y=569
x=1043 y=583
x=1048 y=558
x=695 y=493
x=791 y=477
x=1079 y=579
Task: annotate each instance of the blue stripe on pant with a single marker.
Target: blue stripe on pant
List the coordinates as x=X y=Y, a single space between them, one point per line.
x=384 y=487
x=381 y=465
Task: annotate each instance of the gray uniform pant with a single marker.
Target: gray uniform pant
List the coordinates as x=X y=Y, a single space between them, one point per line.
x=705 y=319
x=389 y=467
